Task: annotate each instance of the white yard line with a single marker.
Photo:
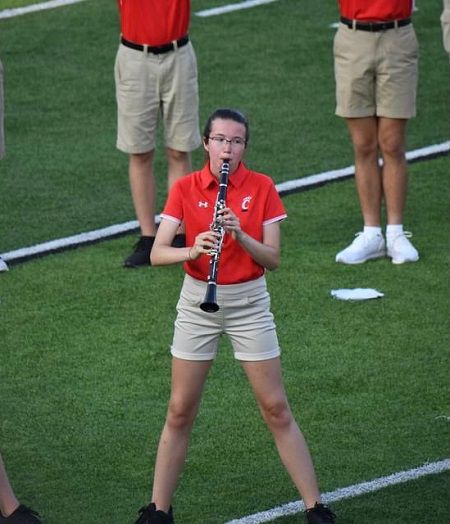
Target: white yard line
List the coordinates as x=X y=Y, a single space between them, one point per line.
x=347 y=172
x=18 y=11
x=247 y=4
x=61 y=244
x=355 y=490
x=291 y=186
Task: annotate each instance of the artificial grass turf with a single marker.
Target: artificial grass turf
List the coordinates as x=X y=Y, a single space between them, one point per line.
x=62 y=174
x=84 y=378
x=84 y=369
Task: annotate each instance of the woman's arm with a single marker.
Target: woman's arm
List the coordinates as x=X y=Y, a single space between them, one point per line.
x=162 y=251
x=265 y=253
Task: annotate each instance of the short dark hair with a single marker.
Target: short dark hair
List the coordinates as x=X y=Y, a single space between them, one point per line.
x=226 y=113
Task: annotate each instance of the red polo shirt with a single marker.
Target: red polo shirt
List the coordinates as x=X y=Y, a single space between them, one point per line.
x=252 y=197
x=376 y=10
x=154 y=22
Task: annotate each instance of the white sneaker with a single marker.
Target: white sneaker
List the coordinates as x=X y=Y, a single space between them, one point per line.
x=3 y=265
x=400 y=249
x=364 y=247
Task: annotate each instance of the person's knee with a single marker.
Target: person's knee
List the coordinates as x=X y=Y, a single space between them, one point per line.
x=277 y=414
x=365 y=147
x=180 y=416
x=392 y=146
x=141 y=158
x=177 y=156
x=391 y=137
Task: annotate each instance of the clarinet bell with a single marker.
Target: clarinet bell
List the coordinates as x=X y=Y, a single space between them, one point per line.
x=209 y=305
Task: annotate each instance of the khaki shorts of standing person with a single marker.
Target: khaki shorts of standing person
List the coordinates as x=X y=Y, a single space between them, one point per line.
x=2 y=136
x=149 y=85
x=244 y=316
x=376 y=72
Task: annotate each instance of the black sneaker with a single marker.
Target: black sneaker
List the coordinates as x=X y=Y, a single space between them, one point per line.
x=22 y=515
x=141 y=254
x=151 y=515
x=320 y=514
x=179 y=240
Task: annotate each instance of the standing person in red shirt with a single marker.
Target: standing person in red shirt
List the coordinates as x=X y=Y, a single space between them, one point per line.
x=375 y=57
x=156 y=77
x=251 y=219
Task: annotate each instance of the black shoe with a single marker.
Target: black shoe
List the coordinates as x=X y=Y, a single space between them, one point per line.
x=22 y=515
x=179 y=240
x=141 y=254
x=150 y=515
x=320 y=514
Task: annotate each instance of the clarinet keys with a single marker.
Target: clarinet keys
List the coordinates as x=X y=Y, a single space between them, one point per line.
x=209 y=304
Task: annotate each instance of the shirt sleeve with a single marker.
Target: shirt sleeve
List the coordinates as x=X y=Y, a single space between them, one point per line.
x=173 y=208
x=275 y=210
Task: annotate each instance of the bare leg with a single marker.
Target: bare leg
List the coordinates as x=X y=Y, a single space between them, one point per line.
x=143 y=187
x=391 y=137
x=179 y=165
x=265 y=378
x=188 y=378
x=364 y=135
x=8 y=501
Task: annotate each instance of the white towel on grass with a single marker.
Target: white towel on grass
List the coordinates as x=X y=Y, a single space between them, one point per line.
x=358 y=293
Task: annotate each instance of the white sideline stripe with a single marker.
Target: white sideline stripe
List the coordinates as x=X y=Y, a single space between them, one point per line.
x=327 y=176
x=126 y=227
x=82 y=238
x=355 y=490
x=247 y=4
x=17 y=11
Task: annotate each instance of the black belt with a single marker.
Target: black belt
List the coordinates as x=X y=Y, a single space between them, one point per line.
x=374 y=26
x=157 y=50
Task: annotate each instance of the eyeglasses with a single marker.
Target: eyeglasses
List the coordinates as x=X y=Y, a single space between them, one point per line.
x=234 y=142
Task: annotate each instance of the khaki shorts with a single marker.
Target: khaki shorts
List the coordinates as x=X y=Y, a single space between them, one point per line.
x=244 y=316
x=148 y=86
x=376 y=72
x=2 y=136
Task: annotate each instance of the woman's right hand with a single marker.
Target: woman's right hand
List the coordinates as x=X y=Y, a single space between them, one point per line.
x=203 y=244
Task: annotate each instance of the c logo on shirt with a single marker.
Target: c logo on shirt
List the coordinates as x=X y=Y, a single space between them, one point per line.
x=245 y=203
x=202 y=203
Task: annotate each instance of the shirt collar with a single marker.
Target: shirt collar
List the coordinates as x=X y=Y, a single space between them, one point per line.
x=236 y=179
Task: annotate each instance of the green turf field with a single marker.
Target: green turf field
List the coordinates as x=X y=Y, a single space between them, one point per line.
x=84 y=362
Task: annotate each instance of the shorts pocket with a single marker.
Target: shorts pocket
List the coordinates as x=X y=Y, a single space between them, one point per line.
x=190 y=299
x=260 y=297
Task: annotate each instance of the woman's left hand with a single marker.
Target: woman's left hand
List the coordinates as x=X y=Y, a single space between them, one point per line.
x=231 y=223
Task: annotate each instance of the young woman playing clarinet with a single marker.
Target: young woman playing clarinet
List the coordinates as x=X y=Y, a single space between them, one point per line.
x=245 y=231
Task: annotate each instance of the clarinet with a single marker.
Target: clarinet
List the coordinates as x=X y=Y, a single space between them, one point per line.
x=210 y=302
